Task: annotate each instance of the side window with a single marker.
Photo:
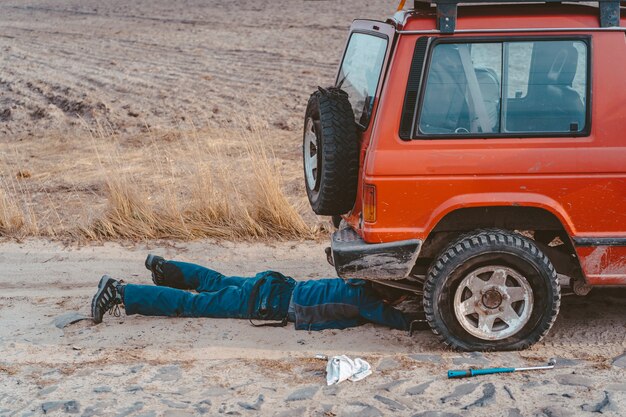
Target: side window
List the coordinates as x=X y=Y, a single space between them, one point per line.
x=496 y=88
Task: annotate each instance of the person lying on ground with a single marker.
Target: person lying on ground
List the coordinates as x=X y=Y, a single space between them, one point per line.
x=312 y=305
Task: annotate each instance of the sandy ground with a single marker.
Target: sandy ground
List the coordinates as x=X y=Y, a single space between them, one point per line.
x=179 y=367
x=147 y=63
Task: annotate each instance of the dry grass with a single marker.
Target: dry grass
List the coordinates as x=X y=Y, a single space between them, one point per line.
x=185 y=185
x=17 y=217
x=11 y=218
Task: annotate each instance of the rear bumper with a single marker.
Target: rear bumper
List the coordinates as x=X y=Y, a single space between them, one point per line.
x=354 y=258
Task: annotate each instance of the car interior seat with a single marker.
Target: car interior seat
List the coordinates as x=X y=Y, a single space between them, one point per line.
x=551 y=103
x=568 y=107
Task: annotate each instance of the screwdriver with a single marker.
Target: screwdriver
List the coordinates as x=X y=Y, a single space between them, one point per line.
x=460 y=373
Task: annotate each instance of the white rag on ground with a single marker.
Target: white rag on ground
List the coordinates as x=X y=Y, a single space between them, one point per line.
x=340 y=368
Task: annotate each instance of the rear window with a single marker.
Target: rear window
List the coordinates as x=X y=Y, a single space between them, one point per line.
x=360 y=73
x=496 y=88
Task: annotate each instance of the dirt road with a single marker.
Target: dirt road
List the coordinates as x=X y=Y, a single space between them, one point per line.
x=181 y=367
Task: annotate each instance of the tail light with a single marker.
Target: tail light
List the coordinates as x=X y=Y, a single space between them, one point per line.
x=369 y=203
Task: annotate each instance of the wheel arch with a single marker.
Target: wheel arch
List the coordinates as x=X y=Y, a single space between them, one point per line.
x=512 y=217
x=499 y=200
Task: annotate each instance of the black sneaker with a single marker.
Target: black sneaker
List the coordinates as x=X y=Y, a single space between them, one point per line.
x=154 y=264
x=107 y=298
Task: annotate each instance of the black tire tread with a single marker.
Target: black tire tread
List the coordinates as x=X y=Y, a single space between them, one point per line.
x=340 y=153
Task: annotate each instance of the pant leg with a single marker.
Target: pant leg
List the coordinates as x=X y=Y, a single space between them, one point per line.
x=148 y=300
x=200 y=278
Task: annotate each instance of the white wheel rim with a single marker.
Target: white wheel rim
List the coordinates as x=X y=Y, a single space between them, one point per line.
x=493 y=302
x=310 y=154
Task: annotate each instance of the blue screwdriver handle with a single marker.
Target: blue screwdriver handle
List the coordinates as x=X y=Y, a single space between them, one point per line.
x=473 y=372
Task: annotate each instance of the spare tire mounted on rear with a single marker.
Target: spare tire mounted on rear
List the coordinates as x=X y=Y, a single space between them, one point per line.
x=330 y=152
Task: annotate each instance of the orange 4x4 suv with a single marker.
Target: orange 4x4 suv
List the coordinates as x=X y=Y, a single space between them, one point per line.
x=475 y=155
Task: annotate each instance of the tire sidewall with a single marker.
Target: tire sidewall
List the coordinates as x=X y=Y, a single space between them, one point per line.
x=313 y=112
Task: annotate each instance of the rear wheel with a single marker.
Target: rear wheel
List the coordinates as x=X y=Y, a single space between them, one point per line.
x=491 y=290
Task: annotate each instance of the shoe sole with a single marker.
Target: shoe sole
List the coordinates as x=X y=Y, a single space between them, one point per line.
x=148 y=262
x=102 y=285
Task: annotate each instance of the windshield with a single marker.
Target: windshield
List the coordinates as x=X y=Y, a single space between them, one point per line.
x=360 y=72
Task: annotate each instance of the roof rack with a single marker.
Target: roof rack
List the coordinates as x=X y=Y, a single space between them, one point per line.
x=609 y=10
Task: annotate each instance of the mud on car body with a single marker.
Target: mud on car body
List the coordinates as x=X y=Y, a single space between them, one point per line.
x=475 y=156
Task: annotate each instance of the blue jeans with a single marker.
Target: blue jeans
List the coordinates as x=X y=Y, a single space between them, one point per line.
x=217 y=295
